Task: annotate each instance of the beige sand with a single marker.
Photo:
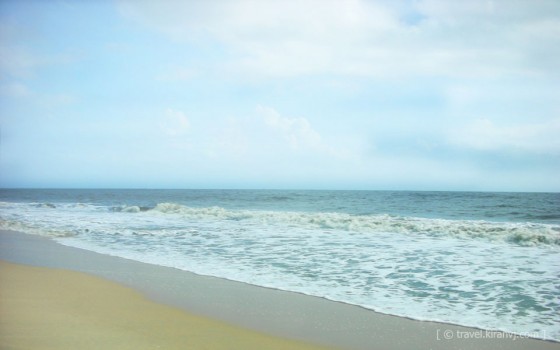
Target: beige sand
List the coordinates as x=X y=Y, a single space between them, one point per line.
x=44 y=308
x=283 y=314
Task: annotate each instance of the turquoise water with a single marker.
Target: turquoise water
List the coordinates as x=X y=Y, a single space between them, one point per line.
x=490 y=260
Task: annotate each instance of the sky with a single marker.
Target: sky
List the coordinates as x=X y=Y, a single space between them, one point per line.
x=295 y=94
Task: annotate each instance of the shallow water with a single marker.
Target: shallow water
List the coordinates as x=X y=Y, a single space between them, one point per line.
x=490 y=260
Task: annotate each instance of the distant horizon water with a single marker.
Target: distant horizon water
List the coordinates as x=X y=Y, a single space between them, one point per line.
x=483 y=259
x=279 y=188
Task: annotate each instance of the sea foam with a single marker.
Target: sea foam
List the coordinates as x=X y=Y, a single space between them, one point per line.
x=518 y=233
x=498 y=275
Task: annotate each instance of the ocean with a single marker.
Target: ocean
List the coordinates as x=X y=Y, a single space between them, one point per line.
x=485 y=260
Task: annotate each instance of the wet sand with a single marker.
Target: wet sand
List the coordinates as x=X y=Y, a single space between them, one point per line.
x=140 y=305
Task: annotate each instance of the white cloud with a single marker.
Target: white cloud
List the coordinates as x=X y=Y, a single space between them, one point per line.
x=266 y=138
x=496 y=10
x=300 y=137
x=486 y=135
x=263 y=136
x=297 y=132
x=174 y=123
x=365 y=38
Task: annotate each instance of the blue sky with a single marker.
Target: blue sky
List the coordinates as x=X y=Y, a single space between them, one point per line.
x=357 y=94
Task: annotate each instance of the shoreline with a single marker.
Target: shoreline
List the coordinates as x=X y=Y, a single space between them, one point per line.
x=270 y=311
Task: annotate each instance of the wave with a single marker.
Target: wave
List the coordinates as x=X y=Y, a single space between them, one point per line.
x=131 y=209
x=519 y=233
x=38 y=230
x=46 y=205
x=526 y=234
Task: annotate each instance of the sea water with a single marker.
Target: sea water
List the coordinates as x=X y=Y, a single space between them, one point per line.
x=488 y=260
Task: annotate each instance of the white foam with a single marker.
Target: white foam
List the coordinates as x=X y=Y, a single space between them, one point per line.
x=519 y=233
x=465 y=272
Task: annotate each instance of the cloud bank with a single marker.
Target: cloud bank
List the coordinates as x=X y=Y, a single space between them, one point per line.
x=384 y=39
x=376 y=94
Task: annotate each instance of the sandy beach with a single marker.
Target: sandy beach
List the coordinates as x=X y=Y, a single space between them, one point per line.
x=44 y=308
x=58 y=297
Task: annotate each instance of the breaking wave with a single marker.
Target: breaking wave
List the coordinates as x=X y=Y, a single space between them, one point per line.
x=527 y=234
